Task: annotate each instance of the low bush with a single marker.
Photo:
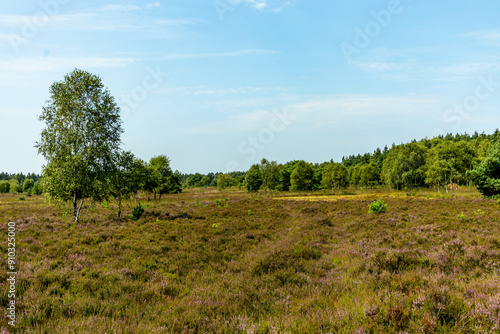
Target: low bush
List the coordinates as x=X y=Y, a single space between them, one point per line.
x=138 y=211
x=377 y=206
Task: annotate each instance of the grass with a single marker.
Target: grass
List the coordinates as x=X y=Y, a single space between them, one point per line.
x=233 y=262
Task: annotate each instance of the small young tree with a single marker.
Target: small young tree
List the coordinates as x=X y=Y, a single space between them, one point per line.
x=122 y=177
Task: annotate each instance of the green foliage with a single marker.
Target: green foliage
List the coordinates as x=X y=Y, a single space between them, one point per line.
x=224 y=181
x=205 y=181
x=270 y=172
x=377 y=206
x=369 y=175
x=22 y=198
x=137 y=212
x=161 y=180
x=405 y=166
x=486 y=175
x=335 y=176
x=253 y=179
x=15 y=186
x=28 y=184
x=37 y=188
x=81 y=136
x=302 y=177
x=4 y=187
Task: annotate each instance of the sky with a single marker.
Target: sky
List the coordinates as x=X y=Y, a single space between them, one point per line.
x=218 y=85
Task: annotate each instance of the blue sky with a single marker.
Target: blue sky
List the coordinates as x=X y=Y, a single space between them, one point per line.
x=218 y=85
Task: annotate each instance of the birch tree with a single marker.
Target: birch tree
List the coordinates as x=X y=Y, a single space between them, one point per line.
x=81 y=135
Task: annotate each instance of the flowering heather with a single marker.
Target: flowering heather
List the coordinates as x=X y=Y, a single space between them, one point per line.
x=198 y=262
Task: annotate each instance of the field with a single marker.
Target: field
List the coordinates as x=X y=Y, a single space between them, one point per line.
x=231 y=262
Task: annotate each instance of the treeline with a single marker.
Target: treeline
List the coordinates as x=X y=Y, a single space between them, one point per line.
x=17 y=183
x=437 y=162
x=198 y=180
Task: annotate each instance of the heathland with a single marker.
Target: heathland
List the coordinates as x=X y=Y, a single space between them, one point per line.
x=208 y=261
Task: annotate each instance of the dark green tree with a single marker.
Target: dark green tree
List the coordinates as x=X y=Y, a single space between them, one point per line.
x=253 y=179
x=161 y=180
x=486 y=174
x=302 y=177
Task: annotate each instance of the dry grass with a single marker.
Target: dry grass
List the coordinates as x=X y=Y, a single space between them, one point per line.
x=232 y=262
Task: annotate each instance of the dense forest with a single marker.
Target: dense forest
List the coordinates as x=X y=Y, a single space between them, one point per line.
x=438 y=162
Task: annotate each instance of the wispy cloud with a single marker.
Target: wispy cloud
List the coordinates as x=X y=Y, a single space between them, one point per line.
x=204 y=90
x=240 y=53
x=127 y=18
x=417 y=65
x=314 y=112
x=490 y=36
x=153 y=5
x=36 y=65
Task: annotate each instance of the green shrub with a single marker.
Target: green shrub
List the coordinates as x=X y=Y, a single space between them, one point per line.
x=4 y=187
x=377 y=206
x=138 y=211
x=22 y=198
